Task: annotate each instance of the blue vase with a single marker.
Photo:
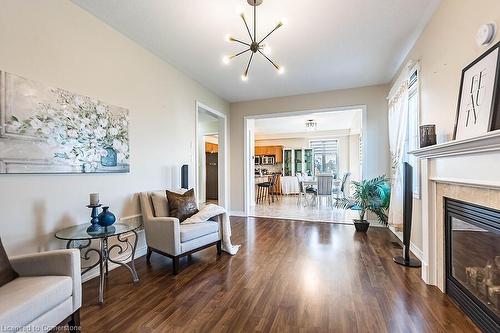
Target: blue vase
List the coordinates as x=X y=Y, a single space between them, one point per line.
x=106 y=218
x=110 y=160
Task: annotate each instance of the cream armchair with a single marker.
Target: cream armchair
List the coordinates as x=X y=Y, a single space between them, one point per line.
x=48 y=292
x=167 y=236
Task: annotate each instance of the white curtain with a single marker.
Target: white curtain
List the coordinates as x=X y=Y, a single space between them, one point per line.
x=398 y=125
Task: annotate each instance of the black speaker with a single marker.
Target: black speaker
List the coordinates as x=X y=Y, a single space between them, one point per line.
x=184 y=177
x=405 y=260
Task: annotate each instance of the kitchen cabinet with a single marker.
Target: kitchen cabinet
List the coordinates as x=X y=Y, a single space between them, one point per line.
x=211 y=147
x=276 y=151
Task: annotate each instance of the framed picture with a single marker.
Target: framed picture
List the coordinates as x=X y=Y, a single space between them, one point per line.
x=51 y=130
x=479 y=96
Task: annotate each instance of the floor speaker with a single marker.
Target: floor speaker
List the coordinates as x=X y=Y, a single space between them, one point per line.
x=405 y=260
x=184 y=177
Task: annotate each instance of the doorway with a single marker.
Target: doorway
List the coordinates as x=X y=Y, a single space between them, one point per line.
x=295 y=148
x=211 y=156
x=212 y=169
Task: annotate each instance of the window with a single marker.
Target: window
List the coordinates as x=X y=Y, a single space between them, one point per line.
x=325 y=154
x=412 y=136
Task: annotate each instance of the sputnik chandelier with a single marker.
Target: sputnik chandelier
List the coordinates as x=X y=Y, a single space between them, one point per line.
x=254 y=45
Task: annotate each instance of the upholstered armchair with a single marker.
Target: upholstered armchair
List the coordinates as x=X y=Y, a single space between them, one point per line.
x=48 y=292
x=167 y=236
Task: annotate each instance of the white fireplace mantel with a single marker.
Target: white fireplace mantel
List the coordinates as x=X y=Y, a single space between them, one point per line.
x=470 y=162
x=485 y=143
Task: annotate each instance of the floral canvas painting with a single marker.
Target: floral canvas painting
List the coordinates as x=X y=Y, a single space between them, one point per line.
x=51 y=130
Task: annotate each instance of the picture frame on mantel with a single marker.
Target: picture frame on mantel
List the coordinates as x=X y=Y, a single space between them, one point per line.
x=478 y=105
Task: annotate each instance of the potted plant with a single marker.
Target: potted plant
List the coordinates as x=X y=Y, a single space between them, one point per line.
x=369 y=195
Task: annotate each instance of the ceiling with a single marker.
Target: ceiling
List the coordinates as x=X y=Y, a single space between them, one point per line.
x=294 y=126
x=333 y=44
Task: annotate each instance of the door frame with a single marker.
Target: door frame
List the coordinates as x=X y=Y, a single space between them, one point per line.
x=223 y=152
x=249 y=134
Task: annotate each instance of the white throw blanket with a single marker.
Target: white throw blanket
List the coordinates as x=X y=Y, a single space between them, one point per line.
x=209 y=211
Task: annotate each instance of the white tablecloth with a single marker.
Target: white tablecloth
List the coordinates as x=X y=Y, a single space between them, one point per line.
x=289 y=185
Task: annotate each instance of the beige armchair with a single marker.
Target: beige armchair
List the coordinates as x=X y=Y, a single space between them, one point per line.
x=167 y=236
x=48 y=292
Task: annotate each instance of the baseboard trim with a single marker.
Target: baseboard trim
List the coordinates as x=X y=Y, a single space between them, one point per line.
x=413 y=248
x=416 y=251
x=237 y=213
x=93 y=273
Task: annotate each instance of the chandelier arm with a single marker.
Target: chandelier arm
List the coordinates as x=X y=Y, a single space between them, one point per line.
x=254 y=21
x=269 y=34
x=239 y=41
x=246 y=26
x=239 y=53
x=271 y=61
x=248 y=66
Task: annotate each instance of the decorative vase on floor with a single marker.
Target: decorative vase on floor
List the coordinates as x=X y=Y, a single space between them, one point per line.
x=110 y=160
x=106 y=218
x=361 y=226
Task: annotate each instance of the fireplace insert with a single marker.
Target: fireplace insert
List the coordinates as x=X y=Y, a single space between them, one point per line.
x=472 y=242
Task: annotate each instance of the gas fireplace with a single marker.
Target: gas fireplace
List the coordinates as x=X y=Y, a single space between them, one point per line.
x=472 y=242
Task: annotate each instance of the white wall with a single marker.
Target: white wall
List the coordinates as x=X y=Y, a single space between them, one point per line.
x=57 y=43
x=354 y=162
x=444 y=48
x=376 y=149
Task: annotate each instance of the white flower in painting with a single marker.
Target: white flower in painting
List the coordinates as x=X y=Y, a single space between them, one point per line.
x=67 y=113
x=36 y=124
x=100 y=109
x=52 y=142
x=51 y=112
x=120 y=157
x=78 y=100
x=103 y=122
x=72 y=133
x=14 y=126
x=117 y=144
x=124 y=148
x=104 y=152
x=93 y=116
x=124 y=123
x=46 y=130
x=100 y=133
x=113 y=131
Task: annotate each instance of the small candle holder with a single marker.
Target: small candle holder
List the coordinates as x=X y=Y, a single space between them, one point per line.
x=94 y=221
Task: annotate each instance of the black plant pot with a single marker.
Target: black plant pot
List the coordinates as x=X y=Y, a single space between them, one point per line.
x=361 y=226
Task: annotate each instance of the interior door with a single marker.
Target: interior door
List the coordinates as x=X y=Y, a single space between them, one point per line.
x=212 y=188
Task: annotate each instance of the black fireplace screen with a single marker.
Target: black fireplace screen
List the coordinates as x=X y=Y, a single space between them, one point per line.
x=473 y=259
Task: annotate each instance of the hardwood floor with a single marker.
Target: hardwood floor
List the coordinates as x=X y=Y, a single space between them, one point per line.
x=287 y=276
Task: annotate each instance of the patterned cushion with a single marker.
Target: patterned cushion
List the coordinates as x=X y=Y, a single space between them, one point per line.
x=183 y=205
x=7 y=273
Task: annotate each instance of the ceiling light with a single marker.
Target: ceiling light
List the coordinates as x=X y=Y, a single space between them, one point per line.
x=255 y=45
x=311 y=125
x=225 y=60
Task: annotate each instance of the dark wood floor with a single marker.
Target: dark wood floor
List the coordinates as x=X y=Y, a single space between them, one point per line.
x=287 y=276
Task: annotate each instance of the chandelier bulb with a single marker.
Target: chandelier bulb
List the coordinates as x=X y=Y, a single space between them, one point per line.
x=283 y=21
x=281 y=70
x=225 y=60
x=228 y=38
x=240 y=11
x=244 y=77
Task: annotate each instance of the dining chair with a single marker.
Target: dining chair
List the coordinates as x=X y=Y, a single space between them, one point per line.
x=324 y=190
x=342 y=191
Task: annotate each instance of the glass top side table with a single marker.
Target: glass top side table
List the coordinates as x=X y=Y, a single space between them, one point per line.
x=123 y=246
